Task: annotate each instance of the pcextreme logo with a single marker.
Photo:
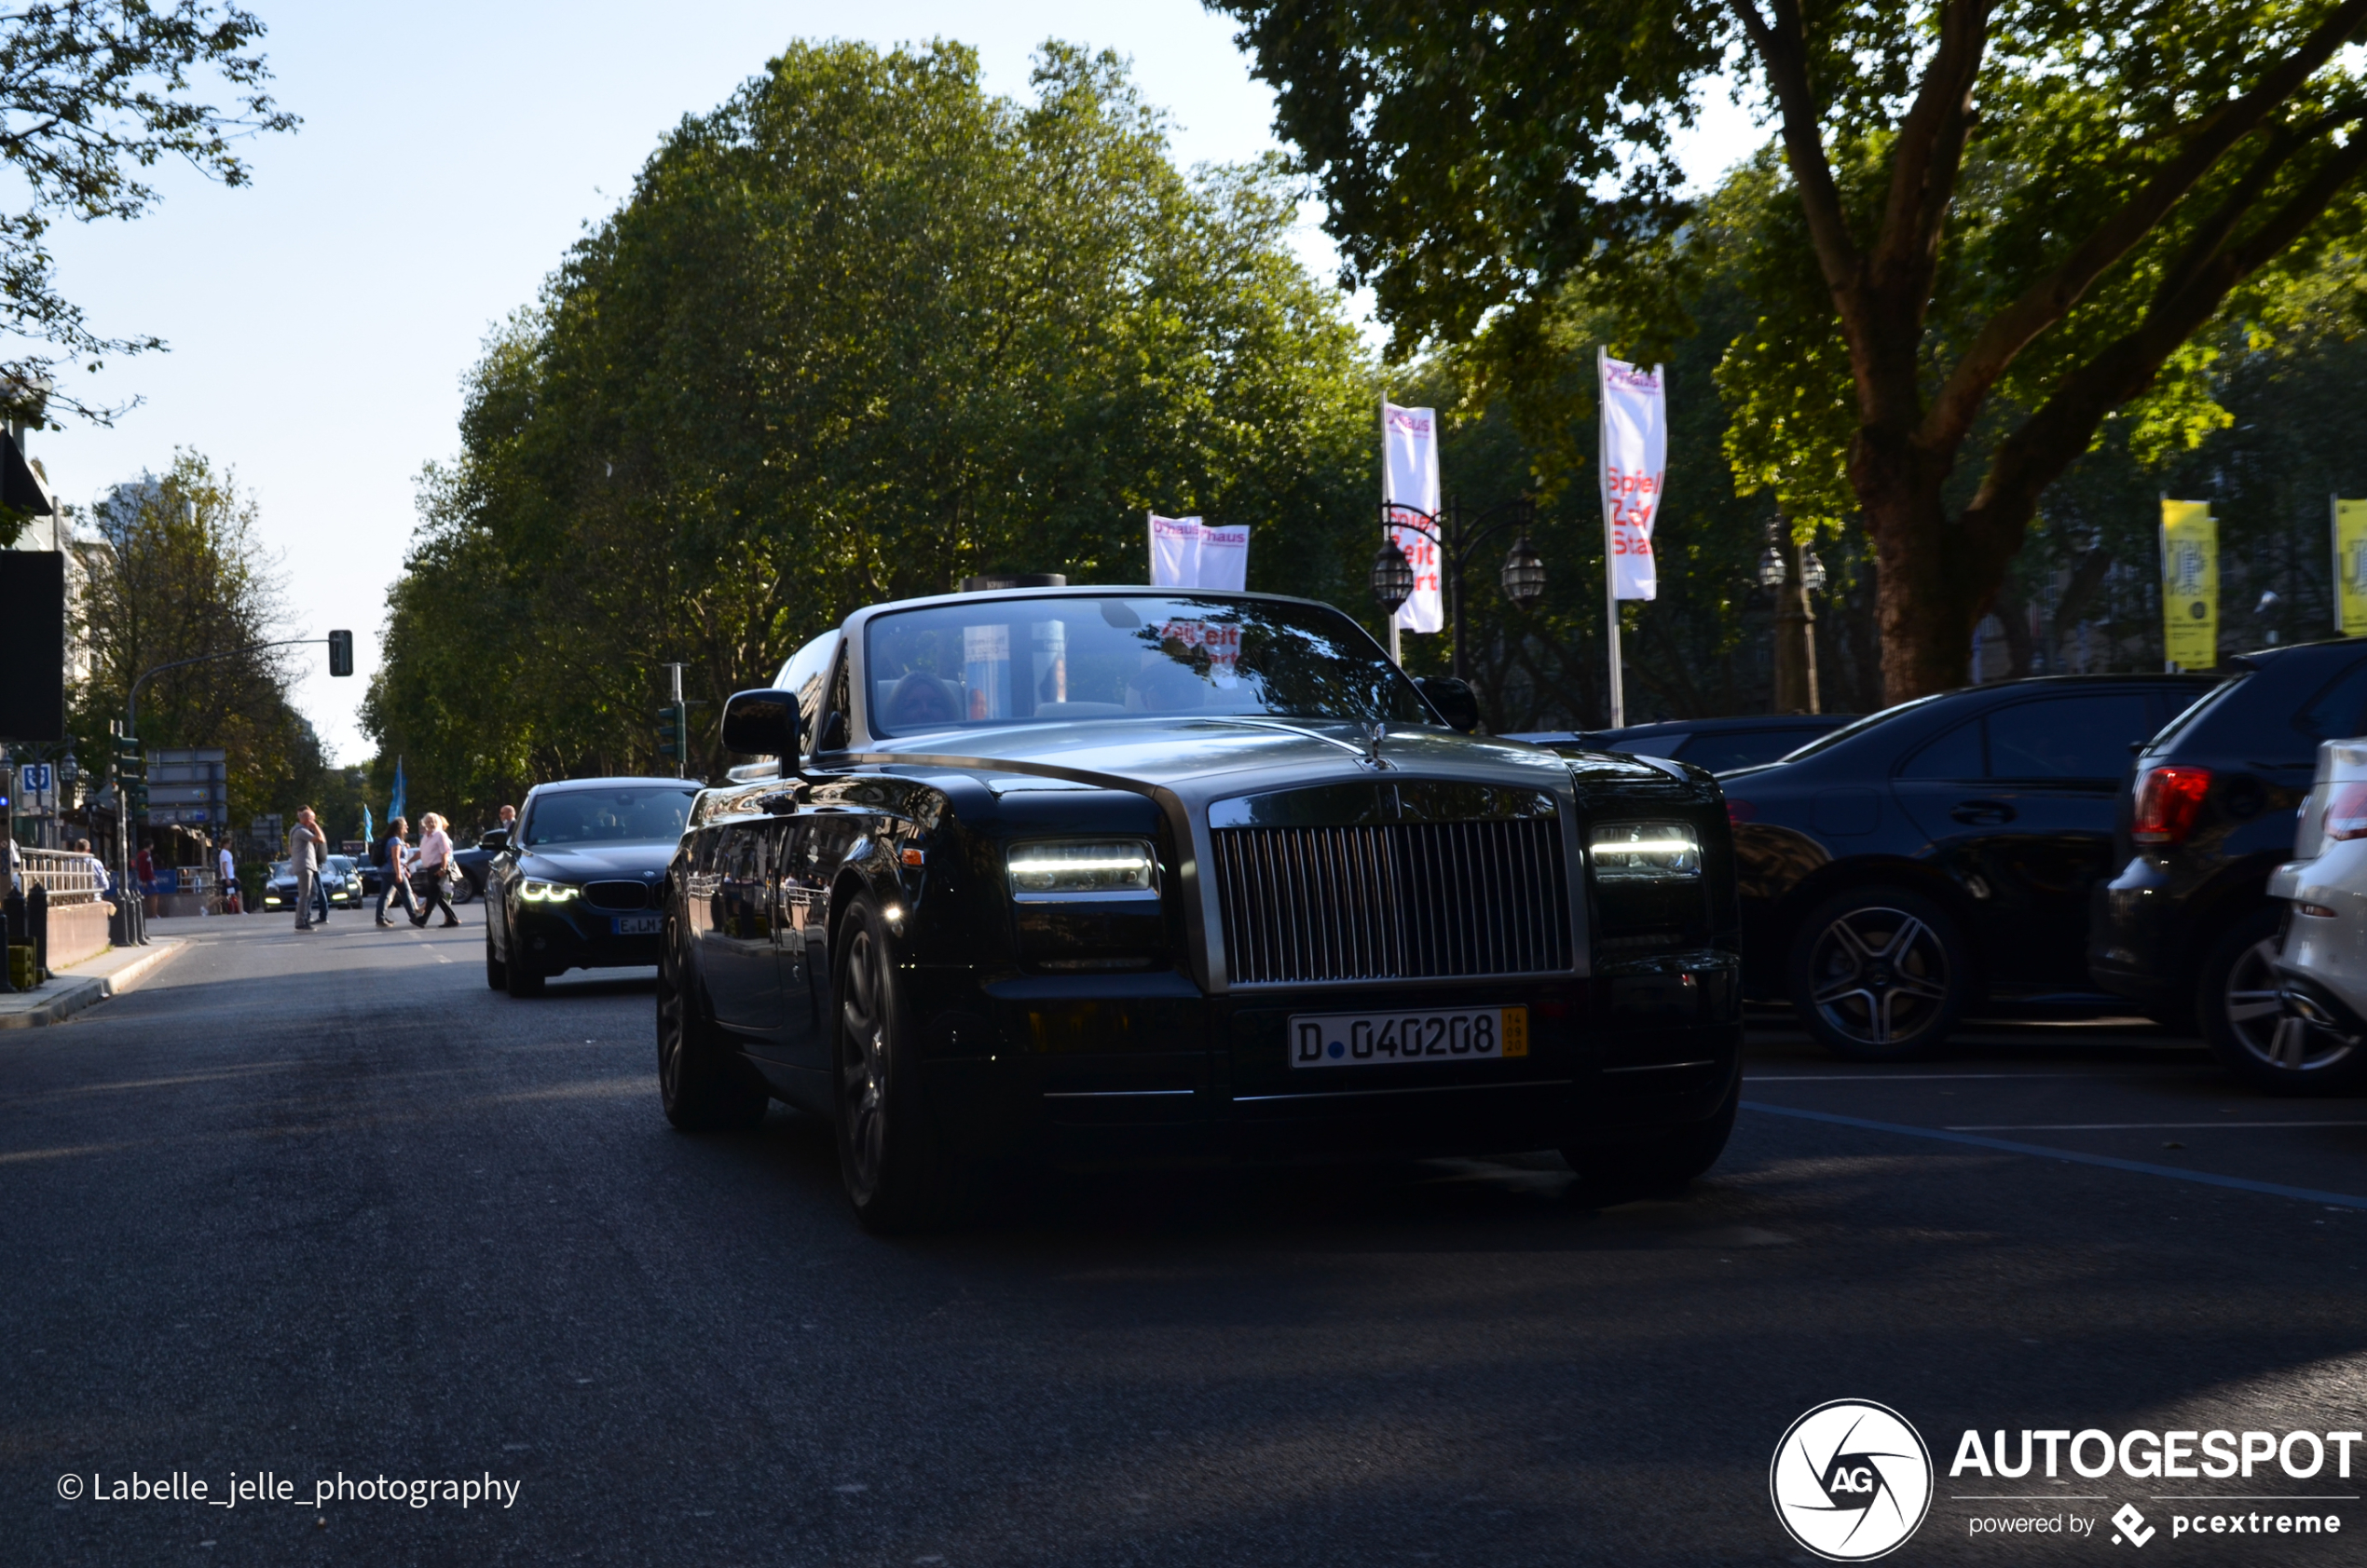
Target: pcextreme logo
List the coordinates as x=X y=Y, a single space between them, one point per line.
x=1851 y=1480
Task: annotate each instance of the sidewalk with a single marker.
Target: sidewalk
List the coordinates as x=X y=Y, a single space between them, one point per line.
x=86 y=985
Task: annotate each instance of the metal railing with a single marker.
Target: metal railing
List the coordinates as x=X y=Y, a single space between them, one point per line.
x=70 y=877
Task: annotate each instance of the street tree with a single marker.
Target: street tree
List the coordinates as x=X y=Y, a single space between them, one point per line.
x=860 y=332
x=1999 y=224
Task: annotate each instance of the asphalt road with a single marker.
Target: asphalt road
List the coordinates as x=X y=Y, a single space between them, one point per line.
x=313 y=1206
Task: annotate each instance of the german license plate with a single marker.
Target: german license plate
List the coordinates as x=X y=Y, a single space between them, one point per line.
x=640 y=925
x=1363 y=1039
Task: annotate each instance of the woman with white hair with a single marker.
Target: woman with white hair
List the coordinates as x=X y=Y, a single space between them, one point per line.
x=431 y=866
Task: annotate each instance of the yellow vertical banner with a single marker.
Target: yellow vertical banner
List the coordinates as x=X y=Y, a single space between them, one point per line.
x=2190 y=585
x=2350 y=566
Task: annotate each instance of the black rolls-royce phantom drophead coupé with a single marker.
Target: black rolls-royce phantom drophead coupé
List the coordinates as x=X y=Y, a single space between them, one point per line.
x=1103 y=875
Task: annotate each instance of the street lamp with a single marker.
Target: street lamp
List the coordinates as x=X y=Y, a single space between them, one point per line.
x=1770 y=567
x=1457 y=534
x=1392 y=576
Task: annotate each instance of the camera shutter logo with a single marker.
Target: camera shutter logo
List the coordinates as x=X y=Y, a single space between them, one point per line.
x=1851 y=1480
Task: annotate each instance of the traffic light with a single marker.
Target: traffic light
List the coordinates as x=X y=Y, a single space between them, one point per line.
x=674 y=729
x=341 y=653
x=131 y=775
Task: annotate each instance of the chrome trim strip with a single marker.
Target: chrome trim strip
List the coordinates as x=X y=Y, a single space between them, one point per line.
x=1422 y=1089
x=1111 y=1094
x=1656 y=1067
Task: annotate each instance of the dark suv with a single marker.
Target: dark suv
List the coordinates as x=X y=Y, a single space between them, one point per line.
x=1942 y=851
x=2183 y=929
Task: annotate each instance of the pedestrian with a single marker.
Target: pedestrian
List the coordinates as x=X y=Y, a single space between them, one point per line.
x=393 y=881
x=509 y=822
x=307 y=852
x=430 y=865
x=227 y=864
x=144 y=871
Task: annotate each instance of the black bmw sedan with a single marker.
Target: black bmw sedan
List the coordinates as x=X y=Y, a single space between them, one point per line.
x=1937 y=853
x=1121 y=875
x=580 y=886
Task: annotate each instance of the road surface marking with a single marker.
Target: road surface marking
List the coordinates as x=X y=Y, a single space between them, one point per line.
x=2339 y=1200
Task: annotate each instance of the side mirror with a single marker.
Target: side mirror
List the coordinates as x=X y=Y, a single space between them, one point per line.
x=1453 y=699
x=496 y=840
x=762 y=724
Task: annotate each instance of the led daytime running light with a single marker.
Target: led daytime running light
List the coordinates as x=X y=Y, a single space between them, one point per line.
x=1645 y=852
x=546 y=893
x=1083 y=865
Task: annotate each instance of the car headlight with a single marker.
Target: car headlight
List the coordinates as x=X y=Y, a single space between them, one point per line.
x=1645 y=852
x=1083 y=865
x=537 y=891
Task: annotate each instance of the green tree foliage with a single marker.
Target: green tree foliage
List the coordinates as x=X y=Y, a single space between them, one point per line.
x=2005 y=224
x=182 y=573
x=862 y=331
x=93 y=96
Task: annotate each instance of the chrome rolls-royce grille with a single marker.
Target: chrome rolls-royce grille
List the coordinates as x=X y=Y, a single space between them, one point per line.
x=616 y=895
x=1394 y=901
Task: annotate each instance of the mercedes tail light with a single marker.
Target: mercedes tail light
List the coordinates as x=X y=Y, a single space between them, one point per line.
x=2347 y=812
x=2168 y=802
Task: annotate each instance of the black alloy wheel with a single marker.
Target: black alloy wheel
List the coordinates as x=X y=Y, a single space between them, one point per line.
x=461 y=889
x=497 y=973
x=701 y=1083
x=2252 y=1030
x=1879 y=973
x=887 y=1154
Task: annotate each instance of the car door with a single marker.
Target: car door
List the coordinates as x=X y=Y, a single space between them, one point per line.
x=812 y=847
x=2018 y=803
x=736 y=949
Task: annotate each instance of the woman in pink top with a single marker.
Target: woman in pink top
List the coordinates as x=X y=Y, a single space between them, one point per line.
x=431 y=863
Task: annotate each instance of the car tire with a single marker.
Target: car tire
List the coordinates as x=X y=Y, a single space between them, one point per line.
x=497 y=973
x=889 y=1155
x=1609 y=1173
x=2244 y=1023
x=1879 y=973
x=524 y=980
x=462 y=890
x=703 y=1084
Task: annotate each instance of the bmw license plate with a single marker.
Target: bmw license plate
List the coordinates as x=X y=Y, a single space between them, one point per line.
x=1363 y=1039
x=640 y=925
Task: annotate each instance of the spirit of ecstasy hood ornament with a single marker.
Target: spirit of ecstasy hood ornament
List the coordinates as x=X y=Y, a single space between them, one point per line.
x=1373 y=739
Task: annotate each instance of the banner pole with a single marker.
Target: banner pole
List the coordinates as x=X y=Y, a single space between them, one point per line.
x=2335 y=535
x=1388 y=532
x=1610 y=571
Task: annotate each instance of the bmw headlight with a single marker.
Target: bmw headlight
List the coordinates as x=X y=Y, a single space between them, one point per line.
x=539 y=892
x=1104 y=865
x=1645 y=852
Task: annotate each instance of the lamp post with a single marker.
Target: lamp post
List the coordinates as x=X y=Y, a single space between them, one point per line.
x=1792 y=574
x=1457 y=534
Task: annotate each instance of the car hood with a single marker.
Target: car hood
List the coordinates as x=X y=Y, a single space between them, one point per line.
x=1210 y=758
x=592 y=863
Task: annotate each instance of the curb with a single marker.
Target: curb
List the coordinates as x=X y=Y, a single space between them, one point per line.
x=73 y=995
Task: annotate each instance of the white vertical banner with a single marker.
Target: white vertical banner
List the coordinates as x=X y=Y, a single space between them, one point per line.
x=1409 y=478
x=1635 y=469
x=1224 y=556
x=1175 y=551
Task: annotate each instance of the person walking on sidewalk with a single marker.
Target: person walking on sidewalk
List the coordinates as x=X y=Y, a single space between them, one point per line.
x=393 y=880
x=307 y=852
x=430 y=867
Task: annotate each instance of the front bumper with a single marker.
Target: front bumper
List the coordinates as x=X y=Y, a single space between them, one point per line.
x=1143 y=1070
x=549 y=940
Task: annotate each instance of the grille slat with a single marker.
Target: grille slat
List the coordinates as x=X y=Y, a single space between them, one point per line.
x=1404 y=900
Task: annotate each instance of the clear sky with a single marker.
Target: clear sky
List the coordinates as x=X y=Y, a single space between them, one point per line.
x=321 y=319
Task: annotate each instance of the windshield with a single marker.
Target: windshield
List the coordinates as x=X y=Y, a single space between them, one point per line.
x=340 y=862
x=279 y=869
x=648 y=816
x=1126 y=655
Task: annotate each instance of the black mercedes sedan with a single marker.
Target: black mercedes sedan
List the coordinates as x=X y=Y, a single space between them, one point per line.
x=580 y=886
x=1103 y=875
x=1718 y=744
x=1937 y=853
